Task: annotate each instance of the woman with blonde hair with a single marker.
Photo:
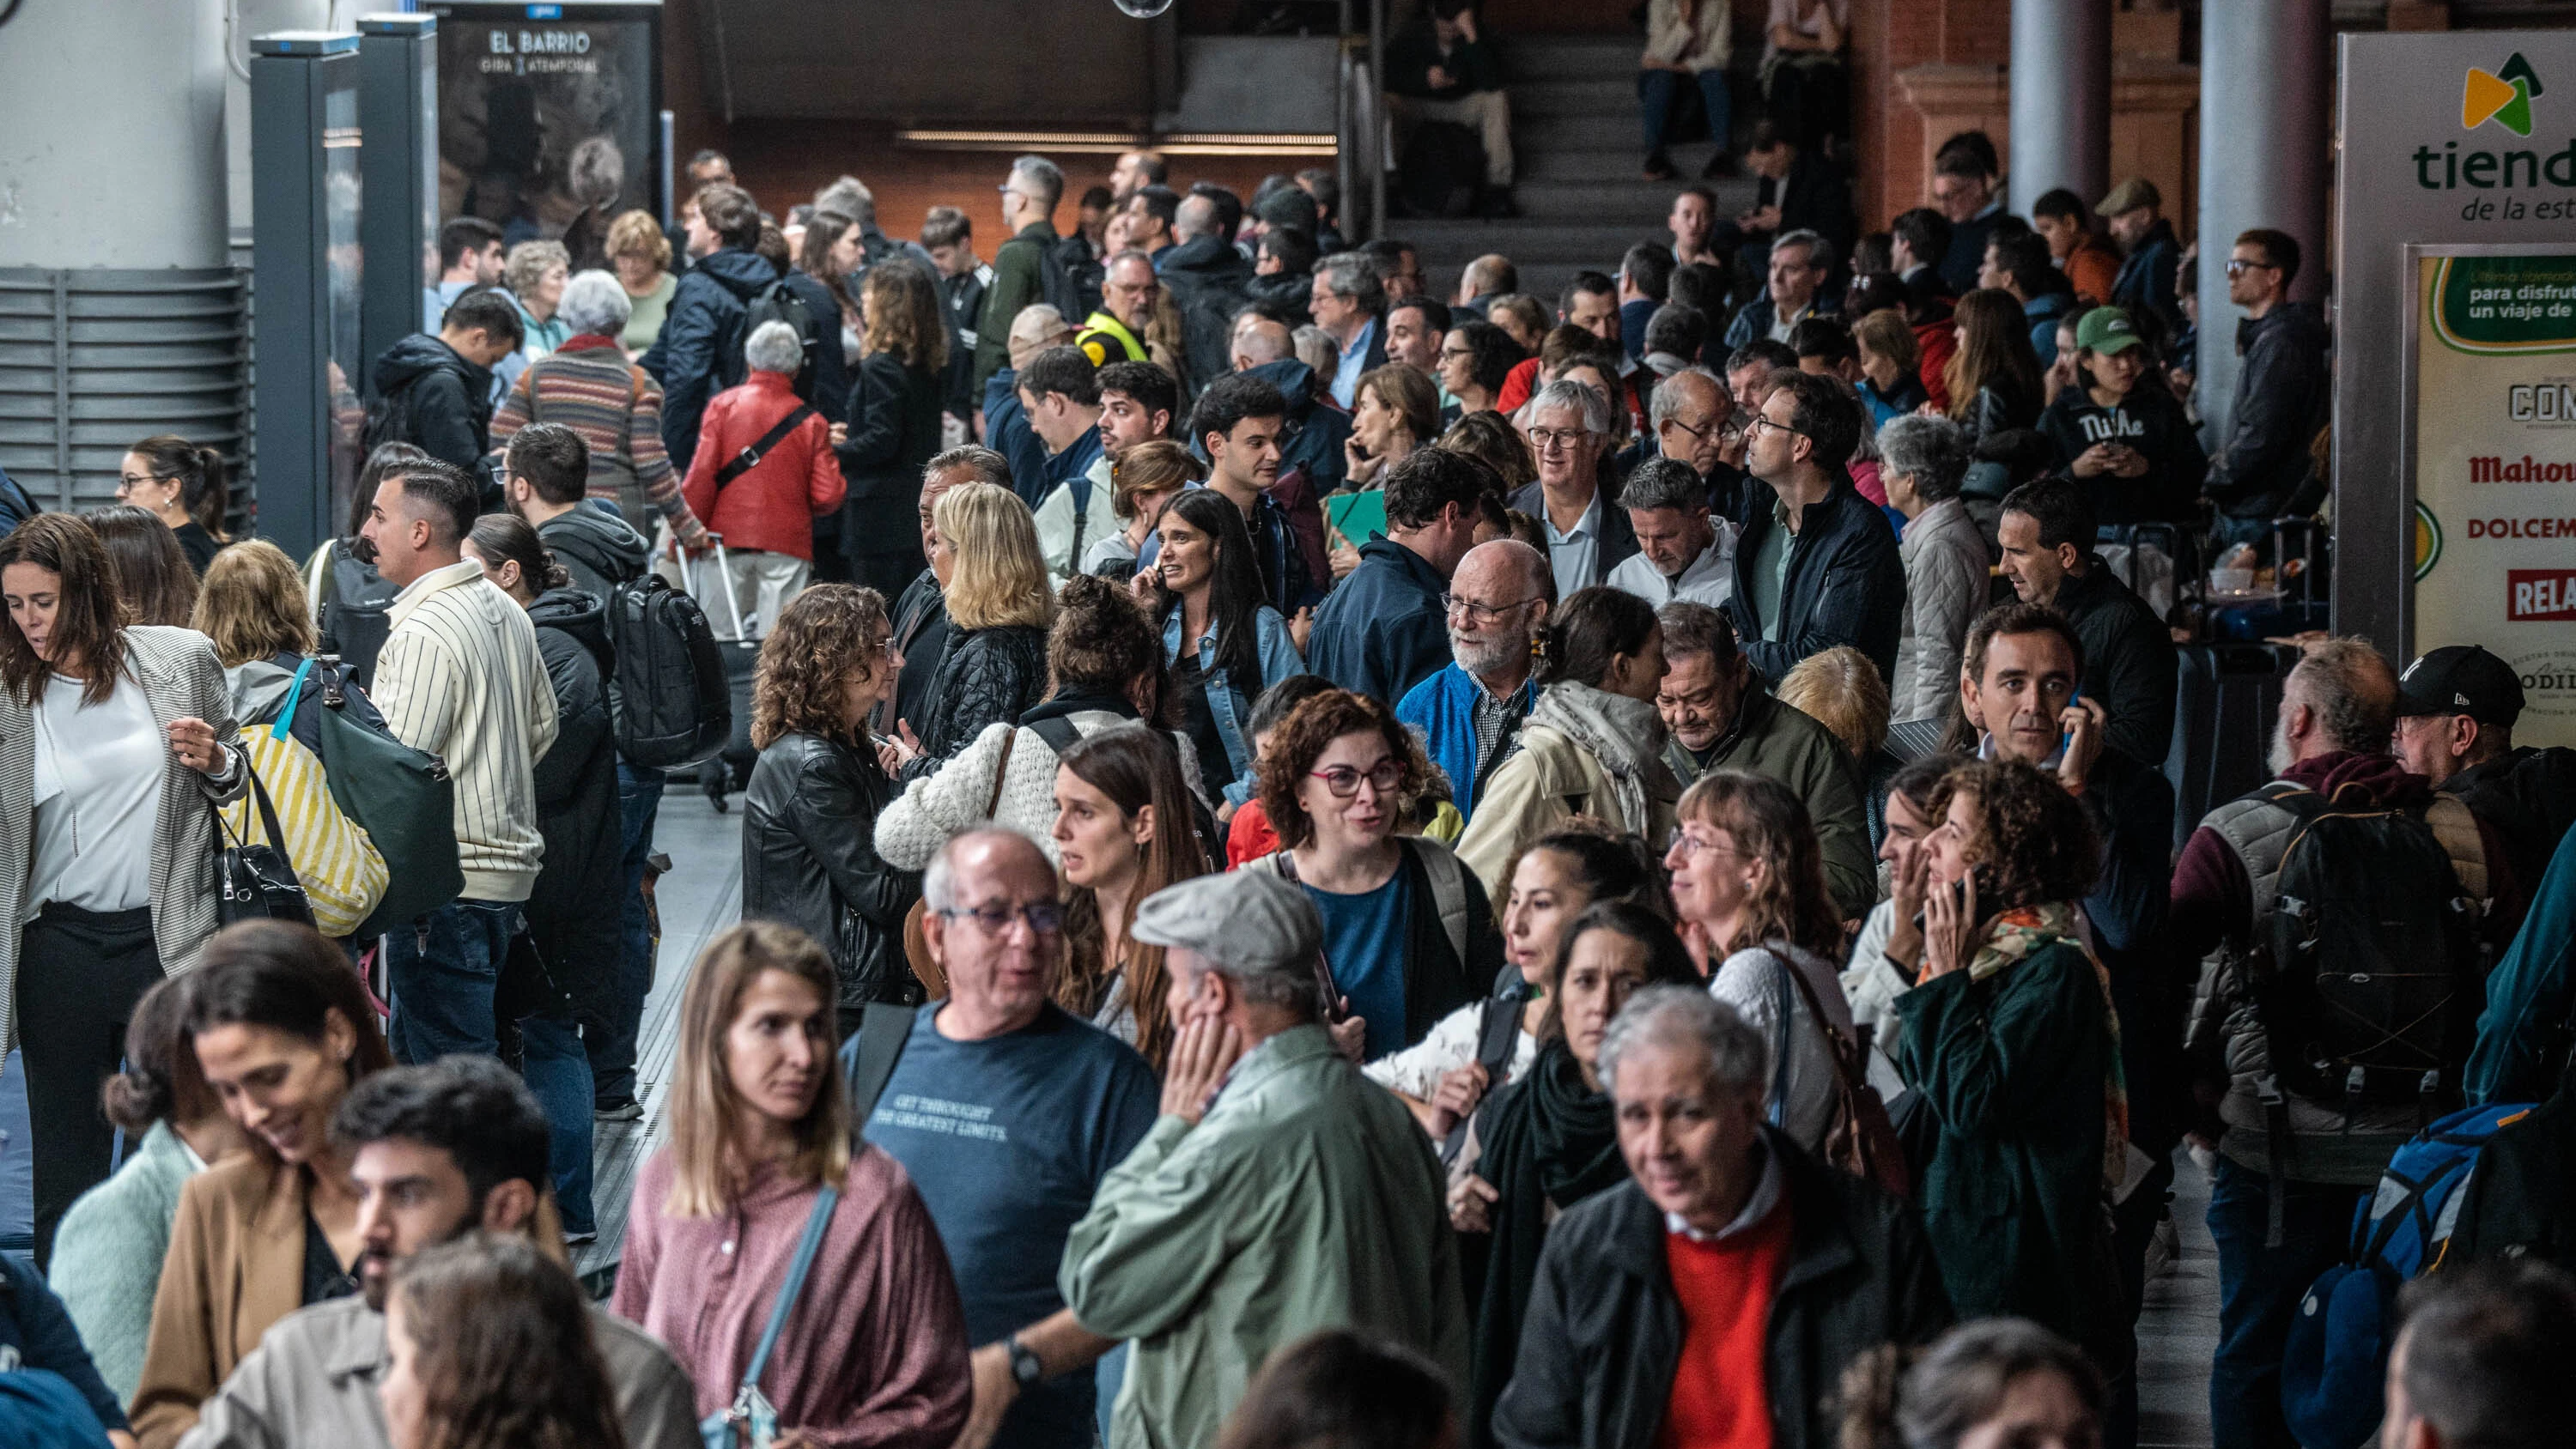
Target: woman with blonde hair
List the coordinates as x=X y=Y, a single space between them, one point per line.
x=984 y=550
x=1749 y=886
x=762 y=1153
x=1141 y=482
x=535 y=274
x=1396 y=410
x=809 y=818
x=641 y=255
x=894 y=417
x=253 y=608
x=1994 y=378
x=153 y=579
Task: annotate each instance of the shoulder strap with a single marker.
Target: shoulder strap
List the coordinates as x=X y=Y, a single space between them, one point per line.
x=749 y=458
x=1448 y=890
x=885 y=1029
x=2256 y=830
x=1058 y=732
x=1781 y=1013
x=1001 y=772
x=2452 y=824
x=815 y=1222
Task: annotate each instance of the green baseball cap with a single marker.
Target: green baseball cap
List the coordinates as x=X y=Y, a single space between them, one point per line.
x=2106 y=329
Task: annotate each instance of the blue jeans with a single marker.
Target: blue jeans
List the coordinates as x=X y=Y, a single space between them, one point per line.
x=557 y=1071
x=612 y=1051
x=1657 y=90
x=442 y=980
x=2259 y=1289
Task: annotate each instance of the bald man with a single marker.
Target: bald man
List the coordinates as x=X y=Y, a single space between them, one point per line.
x=1470 y=712
x=1034 y=329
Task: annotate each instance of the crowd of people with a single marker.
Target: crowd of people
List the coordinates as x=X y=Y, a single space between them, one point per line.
x=1318 y=865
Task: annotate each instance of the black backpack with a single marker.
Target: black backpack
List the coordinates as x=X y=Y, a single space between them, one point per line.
x=2365 y=973
x=1441 y=169
x=776 y=302
x=1069 y=278
x=353 y=610
x=672 y=705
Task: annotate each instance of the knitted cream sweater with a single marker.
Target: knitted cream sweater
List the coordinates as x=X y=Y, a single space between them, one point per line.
x=913 y=826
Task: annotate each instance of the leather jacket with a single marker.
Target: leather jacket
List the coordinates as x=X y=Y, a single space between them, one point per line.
x=809 y=860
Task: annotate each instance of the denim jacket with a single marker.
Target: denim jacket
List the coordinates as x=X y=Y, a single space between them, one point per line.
x=1231 y=704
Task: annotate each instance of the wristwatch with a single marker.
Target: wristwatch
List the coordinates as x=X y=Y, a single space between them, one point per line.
x=1026 y=1367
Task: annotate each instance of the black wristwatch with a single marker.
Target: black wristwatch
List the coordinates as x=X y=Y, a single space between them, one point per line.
x=1026 y=1367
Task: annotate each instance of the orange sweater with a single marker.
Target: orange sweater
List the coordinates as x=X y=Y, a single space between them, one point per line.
x=1721 y=1392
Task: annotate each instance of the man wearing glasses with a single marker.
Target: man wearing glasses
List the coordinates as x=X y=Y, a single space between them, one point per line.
x=1567 y=425
x=1007 y=1112
x=1028 y=206
x=1469 y=713
x=2281 y=392
x=1695 y=422
x=1817 y=564
x=1128 y=289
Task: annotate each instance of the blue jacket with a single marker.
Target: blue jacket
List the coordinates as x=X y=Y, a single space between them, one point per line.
x=2146 y=279
x=1383 y=631
x=1229 y=702
x=1072 y=466
x=1007 y=432
x=2044 y=313
x=1443 y=709
x=38 y=1334
x=2530 y=994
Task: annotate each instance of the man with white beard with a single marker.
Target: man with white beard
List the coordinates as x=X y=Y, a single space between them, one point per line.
x=1469 y=714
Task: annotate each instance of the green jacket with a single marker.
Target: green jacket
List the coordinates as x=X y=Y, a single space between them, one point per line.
x=1770 y=738
x=2013 y=1067
x=1307 y=1198
x=1016 y=284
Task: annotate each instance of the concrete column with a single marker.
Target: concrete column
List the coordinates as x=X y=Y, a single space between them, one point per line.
x=2061 y=99
x=2266 y=160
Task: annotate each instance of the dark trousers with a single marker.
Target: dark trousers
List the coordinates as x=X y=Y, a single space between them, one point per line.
x=80 y=974
x=442 y=971
x=1658 y=91
x=2259 y=1288
x=2133 y=1231
x=612 y=1048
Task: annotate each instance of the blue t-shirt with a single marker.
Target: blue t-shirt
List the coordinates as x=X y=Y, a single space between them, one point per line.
x=1364 y=939
x=1006 y=1139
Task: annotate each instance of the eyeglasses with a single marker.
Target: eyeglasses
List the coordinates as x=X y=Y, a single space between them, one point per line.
x=1548 y=440
x=137 y=480
x=1344 y=781
x=2239 y=266
x=1045 y=918
x=1759 y=422
x=1699 y=433
x=1481 y=613
x=1689 y=845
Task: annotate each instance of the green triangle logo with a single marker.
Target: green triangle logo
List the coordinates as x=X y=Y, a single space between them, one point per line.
x=2515 y=115
x=2519 y=69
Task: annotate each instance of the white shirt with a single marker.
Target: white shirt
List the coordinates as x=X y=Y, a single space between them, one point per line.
x=98 y=797
x=1709 y=580
x=1574 y=555
x=1416 y=1071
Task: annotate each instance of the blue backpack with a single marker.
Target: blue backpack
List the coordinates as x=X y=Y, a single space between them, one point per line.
x=2334 y=1371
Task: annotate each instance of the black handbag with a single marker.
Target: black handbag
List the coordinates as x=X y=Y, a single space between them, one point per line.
x=257 y=882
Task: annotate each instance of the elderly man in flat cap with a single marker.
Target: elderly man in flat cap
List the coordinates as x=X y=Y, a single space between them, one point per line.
x=1279 y=1193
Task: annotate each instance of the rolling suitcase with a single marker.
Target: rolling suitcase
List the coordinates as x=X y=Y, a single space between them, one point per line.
x=731 y=768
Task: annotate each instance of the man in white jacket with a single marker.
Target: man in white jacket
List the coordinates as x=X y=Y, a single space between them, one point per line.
x=1922 y=460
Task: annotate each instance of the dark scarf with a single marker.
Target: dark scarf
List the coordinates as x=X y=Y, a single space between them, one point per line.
x=1549 y=1139
x=1074 y=699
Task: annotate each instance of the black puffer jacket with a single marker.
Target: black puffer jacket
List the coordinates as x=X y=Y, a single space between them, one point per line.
x=438 y=400
x=809 y=859
x=988 y=677
x=577 y=805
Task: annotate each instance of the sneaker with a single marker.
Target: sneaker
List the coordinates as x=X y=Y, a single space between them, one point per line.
x=1659 y=167
x=624 y=1109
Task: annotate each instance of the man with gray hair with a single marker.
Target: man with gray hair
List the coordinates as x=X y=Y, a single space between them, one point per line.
x=1922 y=460
x=1692 y=416
x=1279 y=1193
x=1800 y=262
x=1469 y=713
x=1567 y=424
x=1348 y=301
x=765 y=471
x=1682 y=551
x=1722 y=1290
x=1037 y=329
x=1029 y=198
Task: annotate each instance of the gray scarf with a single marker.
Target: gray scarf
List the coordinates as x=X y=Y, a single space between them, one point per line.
x=1625 y=735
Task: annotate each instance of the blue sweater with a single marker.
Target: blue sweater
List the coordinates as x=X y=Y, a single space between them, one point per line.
x=1443 y=709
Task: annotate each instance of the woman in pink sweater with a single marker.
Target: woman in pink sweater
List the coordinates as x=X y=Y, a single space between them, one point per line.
x=874 y=1350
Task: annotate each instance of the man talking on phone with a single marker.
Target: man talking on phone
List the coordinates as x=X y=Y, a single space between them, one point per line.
x=2046 y=536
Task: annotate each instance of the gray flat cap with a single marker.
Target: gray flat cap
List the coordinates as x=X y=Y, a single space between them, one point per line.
x=1245 y=920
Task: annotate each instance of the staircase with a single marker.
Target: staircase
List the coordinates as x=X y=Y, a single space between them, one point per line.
x=1579 y=149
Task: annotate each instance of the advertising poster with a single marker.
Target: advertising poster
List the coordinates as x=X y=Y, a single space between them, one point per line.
x=2495 y=471
x=548 y=119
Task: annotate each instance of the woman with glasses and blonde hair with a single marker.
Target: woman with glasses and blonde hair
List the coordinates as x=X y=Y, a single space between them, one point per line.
x=1749 y=886
x=985 y=544
x=1141 y=482
x=762 y=1151
x=1408 y=931
x=809 y=855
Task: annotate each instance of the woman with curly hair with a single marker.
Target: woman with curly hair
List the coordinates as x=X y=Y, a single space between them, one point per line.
x=1475 y=358
x=1749 y=886
x=1408 y=931
x=1123 y=830
x=2009 y=1035
x=488 y=1344
x=894 y=424
x=809 y=820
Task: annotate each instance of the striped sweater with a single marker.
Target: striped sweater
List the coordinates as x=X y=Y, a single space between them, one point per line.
x=588 y=386
x=460 y=677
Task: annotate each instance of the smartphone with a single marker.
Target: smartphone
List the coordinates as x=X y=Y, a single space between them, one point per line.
x=1988 y=907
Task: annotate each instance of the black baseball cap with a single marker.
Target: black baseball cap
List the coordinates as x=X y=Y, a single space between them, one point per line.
x=2461 y=679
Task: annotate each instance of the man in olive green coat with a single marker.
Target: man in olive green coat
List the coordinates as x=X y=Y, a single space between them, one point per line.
x=1718 y=715
x=1279 y=1193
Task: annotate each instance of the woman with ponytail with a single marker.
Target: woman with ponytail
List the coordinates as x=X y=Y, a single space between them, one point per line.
x=185 y=486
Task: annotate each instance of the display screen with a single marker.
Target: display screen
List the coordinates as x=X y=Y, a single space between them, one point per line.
x=548 y=119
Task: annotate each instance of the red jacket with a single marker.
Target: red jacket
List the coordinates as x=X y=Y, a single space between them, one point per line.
x=773 y=506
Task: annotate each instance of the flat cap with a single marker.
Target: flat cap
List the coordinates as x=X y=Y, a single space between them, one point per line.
x=1245 y=920
x=2129 y=195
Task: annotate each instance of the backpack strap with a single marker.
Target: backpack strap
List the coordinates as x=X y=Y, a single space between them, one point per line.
x=1448 y=890
x=869 y=1059
x=2258 y=829
x=1057 y=731
x=749 y=458
x=2451 y=823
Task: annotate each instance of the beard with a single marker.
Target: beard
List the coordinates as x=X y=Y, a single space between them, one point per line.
x=1480 y=657
x=2282 y=756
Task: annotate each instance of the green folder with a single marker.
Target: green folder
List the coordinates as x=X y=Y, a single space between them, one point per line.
x=1358 y=516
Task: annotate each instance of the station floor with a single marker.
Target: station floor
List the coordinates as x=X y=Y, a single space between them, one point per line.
x=702 y=895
